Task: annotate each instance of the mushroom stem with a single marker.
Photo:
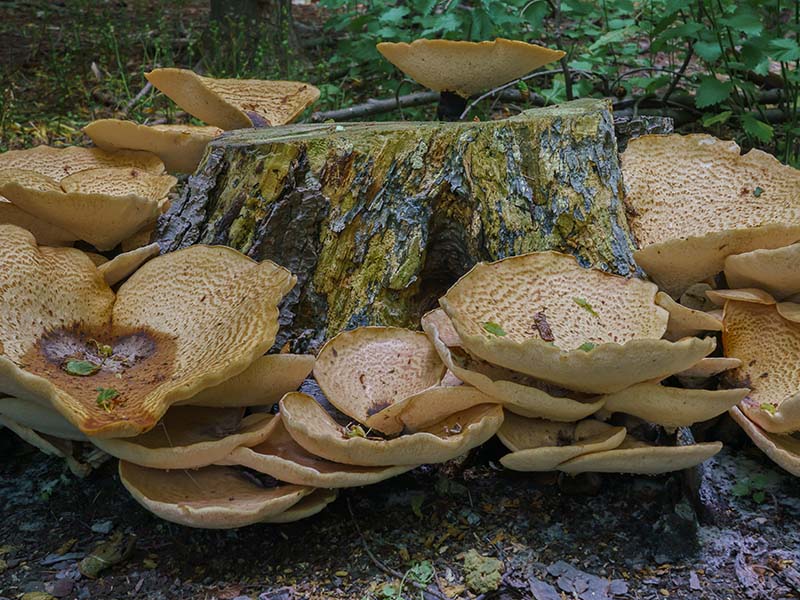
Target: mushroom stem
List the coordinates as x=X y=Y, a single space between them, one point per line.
x=450 y=107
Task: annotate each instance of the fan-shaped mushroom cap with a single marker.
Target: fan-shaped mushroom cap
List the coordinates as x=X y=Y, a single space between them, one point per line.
x=466 y=68
x=695 y=297
x=720 y=297
x=782 y=449
x=309 y=506
x=181 y=147
x=183 y=322
x=50 y=445
x=212 y=497
x=769 y=347
x=686 y=322
x=188 y=437
x=263 y=383
x=640 y=458
x=535 y=314
x=672 y=407
x=366 y=370
x=45 y=233
x=103 y=219
x=122 y=265
x=119 y=181
x=789 y=311
x=234 y=103
x=39 y=417
x=540 y=445
x=139 y=239
x=517 y=392
x=316 y=431
x=695 y=200
x=699 y=373
x=279 y=456
x=58 y=163
x=776 y=271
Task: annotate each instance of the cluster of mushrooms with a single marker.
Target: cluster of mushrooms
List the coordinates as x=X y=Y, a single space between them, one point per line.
x=161 y=361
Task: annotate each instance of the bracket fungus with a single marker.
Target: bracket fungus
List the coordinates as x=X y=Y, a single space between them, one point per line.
x=123 y=265
x=58 y=163
x=604 y=332
x=776 y=271
x=460 y=69
x=113 y=363
x=694 y=200
x=234 y=103
x=783 y=449
x=181 y=147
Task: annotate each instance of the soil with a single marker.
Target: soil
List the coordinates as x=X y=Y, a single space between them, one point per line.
x=619 y=537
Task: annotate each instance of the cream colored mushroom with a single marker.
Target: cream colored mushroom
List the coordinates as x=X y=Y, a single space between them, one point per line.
x=50 y=445
x=309 y=506
x=45 y=233
x=684 y=321
x=123 y=265
x=777 y=271
x=41 y=418
x=58 y=163
x=782 y=449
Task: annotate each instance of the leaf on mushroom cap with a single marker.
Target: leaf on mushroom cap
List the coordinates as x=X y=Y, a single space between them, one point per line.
x=183 y=322
x=366 y=370
x=686 y=322
x=776 y=271
x=181 y=147
x=58 y=163
x=188 y=437
x=695 y=200
x=782 y=449
x=124 y=264
x=670 y=406
x=102 y=219
x=466 y=68
x=213 y=497
x=263 y=383
x=316 y=431
x=50 y=445
x=605 y=329
x=518 y=393
x=234 y=103
x=769 y=347
x=40 y=418
x=541 y=445
x=279 y=456
x=309 y=506
x=45 y=233
x=640 y=458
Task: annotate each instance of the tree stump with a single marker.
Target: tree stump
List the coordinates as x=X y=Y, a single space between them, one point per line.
x=377 y=220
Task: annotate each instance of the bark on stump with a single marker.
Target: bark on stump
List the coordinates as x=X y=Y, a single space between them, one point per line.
x=377 y=220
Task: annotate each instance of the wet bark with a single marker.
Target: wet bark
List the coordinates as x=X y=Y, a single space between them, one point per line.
x=378 y=219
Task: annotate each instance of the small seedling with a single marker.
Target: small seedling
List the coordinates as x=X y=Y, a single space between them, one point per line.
x=494 y=329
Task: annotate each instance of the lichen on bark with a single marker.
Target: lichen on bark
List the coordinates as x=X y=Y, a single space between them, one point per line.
x=378 y=219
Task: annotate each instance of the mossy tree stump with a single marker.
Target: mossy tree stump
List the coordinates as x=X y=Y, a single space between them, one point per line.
x=378 y=219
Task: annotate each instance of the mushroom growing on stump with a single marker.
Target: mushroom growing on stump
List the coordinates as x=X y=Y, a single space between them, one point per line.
x=460 y=69
x=776 y=271
x=234 y=103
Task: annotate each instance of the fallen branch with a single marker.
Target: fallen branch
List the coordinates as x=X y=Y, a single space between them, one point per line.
x=375 y=107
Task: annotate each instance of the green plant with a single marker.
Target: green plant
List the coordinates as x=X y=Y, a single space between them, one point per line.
x=755 y=487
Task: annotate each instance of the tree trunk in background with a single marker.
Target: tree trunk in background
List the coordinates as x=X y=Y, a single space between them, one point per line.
x=377 y=220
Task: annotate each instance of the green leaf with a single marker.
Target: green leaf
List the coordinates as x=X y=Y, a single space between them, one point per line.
x=757 y=193
x=585 y=306
x=354 y=430
x=709 y=120
x=763 y=132
x=394 y=15
x=587 y=346
x=105 y=396
x=709 y=51
x=759 y=497
x=421 y=572
x=494 y=328
x=416 y=504
x=741 y=488
x=766 y=406
x=712 y=91
x=80 y=368
x=784 y=50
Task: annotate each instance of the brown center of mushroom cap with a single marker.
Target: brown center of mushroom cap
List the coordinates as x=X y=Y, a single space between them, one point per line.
x=127 y=363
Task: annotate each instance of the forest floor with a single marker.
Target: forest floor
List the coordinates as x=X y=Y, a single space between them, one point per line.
x=635 y=538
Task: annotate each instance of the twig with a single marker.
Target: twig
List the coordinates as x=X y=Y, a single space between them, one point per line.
x=388 y=570
x=681 y=71
x=374 y=107
x=142 y=93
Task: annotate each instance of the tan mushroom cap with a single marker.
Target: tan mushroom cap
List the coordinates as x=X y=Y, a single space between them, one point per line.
x=314 y=429
x=309 y=506
x=50 y=445
x=124 y=264
x=234 y=103
x=789 y=311
x=140 y=238
x=119 y=181
x=279 y=456
x=517 y=392
x=466 y=68
x=58 y=163
x=777 y=271
x=181 y=147
x=263 y=383
x=640 y=458
x=720 y=297
x=102 y=219
x=617 y=316
x=695 y=200
x=540 y=445
x=708 y=367
x=188 y=437
x=45 y=233
x=213 y=497
x=183 y=322
x=670 y=406
x=782 y=449
x=684 y=321
x=366 y=370
x=40 y=418
x=769 y=347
